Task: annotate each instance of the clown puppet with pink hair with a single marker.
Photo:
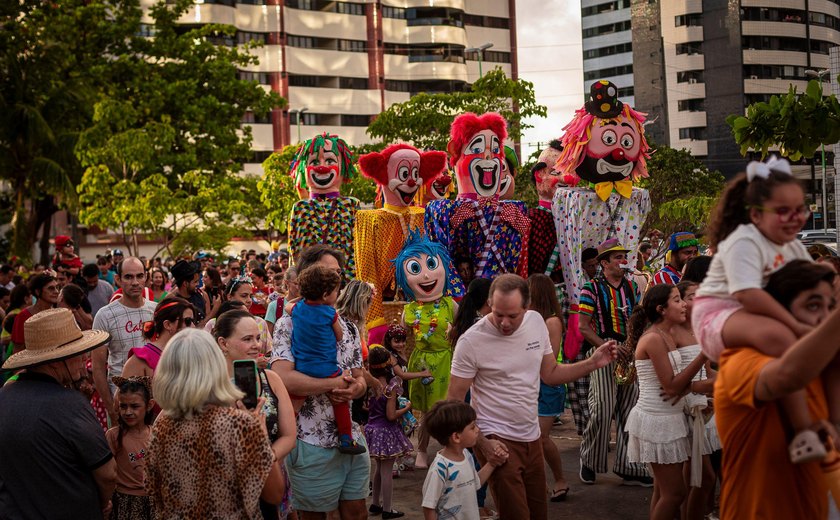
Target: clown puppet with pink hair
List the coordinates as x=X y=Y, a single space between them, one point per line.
x=399 y=171
x=320 y=166
x=604 y=152
x=477 y=225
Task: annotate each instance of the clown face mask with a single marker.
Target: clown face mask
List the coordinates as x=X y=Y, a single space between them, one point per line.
x=426 y=276
x=546 y=181
x=403 y=177
x=438 y=189
x=323 y=171
x=479 y=169
x=612 y=151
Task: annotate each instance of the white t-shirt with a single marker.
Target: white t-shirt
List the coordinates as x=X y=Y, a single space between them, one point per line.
x=745 y=260
x=450 y=488
x=126 y=327
x=506 y=375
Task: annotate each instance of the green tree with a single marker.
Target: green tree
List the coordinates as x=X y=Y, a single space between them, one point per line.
x=164 y=153
x=277 y=188
x=797 y=123
x=51 y=55
x=424 y=120
x=682 y=191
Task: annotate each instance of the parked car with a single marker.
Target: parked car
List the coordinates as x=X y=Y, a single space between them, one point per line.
x=817 y=235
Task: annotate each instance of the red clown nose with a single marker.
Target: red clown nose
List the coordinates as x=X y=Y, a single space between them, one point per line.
x=411 y=183
x=618 y=154
x=322 y=169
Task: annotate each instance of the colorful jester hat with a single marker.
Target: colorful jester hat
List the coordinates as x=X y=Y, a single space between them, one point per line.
x=604 y=144
x=422 y=268
x=334 y=164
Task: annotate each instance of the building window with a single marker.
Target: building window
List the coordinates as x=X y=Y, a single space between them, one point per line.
x=605 y=73
x=795 y=72
x=492 y=22
x=694 y=133
x=352 y=45
x=690 y=76
x=251 y=2
x=354 y=120
x=350 y=8
x=261 y=156
x=770 y=14
x=393 y=12
x=605 y=7
x=221 y=39
x=397 y=86
x=307 y=119
x=496 y=57
x=690 y=48
x=608 y=51
x=263 y=78
x=691 y=105
x=304 y=42
x=229 y=3
x=625 y=92
x=690 y=20
x=434 y=16
x=252 y=119
x=353 y=83
x=304 y=81
x=418 y=54
x=146 y=30
x=247 y=36
x=607 y=29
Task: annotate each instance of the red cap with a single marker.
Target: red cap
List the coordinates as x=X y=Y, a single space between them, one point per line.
x=61 y=240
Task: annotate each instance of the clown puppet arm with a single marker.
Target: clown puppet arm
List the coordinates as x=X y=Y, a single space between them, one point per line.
x=398 y=171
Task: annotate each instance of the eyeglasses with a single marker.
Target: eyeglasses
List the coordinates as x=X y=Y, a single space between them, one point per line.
x=191 y=322
x=785 y=213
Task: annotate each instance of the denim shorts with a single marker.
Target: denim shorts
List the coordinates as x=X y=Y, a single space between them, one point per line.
x=552 y=400
x=321 y=477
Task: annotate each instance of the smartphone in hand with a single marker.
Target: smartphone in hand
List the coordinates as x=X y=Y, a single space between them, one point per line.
x=245 y=378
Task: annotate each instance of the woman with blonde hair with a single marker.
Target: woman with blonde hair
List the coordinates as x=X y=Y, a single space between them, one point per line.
x=201 y=439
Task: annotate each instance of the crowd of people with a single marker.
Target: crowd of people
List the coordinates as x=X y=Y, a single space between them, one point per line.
x=121 y=395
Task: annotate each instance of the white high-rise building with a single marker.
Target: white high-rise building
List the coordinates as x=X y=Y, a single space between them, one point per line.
x=608 y=45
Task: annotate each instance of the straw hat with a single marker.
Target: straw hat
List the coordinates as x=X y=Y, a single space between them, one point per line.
x=53 y=335
x=610 y=246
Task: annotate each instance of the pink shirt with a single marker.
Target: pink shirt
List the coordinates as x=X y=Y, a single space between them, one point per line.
x=506 y=375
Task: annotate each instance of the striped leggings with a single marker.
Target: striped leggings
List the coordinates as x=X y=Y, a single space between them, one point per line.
x=608 y=401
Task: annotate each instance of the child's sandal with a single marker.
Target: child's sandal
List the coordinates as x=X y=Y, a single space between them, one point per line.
x=806 y=447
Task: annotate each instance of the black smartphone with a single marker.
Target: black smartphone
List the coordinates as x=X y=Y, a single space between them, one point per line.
x=245 y=378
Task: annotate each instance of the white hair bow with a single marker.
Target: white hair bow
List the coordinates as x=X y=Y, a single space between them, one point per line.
x=763 y=170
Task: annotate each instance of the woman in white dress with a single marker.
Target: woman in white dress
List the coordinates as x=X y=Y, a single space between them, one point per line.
x=658 y=430
x=698 y=407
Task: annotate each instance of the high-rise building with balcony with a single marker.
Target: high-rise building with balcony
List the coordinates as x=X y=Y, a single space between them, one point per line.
x=608 y=45
x=340 y=63
x=698 y=61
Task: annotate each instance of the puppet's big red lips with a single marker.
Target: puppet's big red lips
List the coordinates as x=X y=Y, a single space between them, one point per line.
x=322 y=176
x=428 y=287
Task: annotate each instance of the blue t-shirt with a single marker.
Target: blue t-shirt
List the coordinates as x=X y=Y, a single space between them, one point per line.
x=314 y=345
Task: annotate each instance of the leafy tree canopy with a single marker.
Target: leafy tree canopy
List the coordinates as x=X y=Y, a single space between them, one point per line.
x=424 y=120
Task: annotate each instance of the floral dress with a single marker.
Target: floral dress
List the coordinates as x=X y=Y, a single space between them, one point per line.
x=429 y=322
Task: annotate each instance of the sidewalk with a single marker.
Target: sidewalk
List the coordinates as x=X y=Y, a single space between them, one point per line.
x=605 y=500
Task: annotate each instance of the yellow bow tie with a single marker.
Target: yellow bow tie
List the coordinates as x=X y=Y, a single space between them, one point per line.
x=624 y=188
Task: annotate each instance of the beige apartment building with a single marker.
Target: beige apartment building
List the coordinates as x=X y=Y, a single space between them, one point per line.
x=340 y=63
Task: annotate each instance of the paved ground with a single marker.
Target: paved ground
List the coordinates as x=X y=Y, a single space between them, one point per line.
x=605 y=500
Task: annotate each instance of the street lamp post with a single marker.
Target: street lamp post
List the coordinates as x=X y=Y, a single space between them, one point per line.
x=819 y=75
x=299 y=112
x=480 y=53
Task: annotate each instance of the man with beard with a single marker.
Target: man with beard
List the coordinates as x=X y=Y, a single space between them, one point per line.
x=683 y=247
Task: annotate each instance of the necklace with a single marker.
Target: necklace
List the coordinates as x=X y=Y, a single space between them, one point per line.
x=669 y=340
x=433 y=321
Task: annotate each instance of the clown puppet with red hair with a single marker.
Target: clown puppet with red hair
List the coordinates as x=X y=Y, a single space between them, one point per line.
x=320 y=166
x=491 y=233
x=604 y=152
x=399 y=171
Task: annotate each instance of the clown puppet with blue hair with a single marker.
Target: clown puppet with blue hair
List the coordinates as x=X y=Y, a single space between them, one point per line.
x=423 y=271
x=320 y=166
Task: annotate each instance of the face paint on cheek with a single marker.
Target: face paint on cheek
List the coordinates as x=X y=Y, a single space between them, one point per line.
x=322 y=177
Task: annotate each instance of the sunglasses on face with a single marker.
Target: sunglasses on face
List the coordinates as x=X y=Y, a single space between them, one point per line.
x=190 y=322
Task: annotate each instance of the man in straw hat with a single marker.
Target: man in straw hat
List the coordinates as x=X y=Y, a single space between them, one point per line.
x=56 y=462
x=605 y=306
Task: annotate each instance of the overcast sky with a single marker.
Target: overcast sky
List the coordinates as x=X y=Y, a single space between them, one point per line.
x=551 y=57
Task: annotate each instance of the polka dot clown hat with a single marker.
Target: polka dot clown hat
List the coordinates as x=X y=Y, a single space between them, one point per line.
x=603 y=100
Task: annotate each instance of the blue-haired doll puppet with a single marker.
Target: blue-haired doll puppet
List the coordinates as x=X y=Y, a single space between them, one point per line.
x=423 y=274
x=321 y=165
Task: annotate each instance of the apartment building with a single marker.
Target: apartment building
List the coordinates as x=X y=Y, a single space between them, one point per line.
x=608 y=45
x=339 y=63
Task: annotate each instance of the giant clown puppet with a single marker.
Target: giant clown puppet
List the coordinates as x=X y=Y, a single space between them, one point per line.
x=543 y=249
x=604 y=152
x=423 y=274
x=493 y=234
x=399 y=171
x=320 y=166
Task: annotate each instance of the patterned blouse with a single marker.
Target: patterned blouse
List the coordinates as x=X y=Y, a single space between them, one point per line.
x=213 y=465
x=454 y=224
x=324 y=221
x=316 y=420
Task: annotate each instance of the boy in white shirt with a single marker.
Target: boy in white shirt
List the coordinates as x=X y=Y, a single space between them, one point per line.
x=452 y=480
